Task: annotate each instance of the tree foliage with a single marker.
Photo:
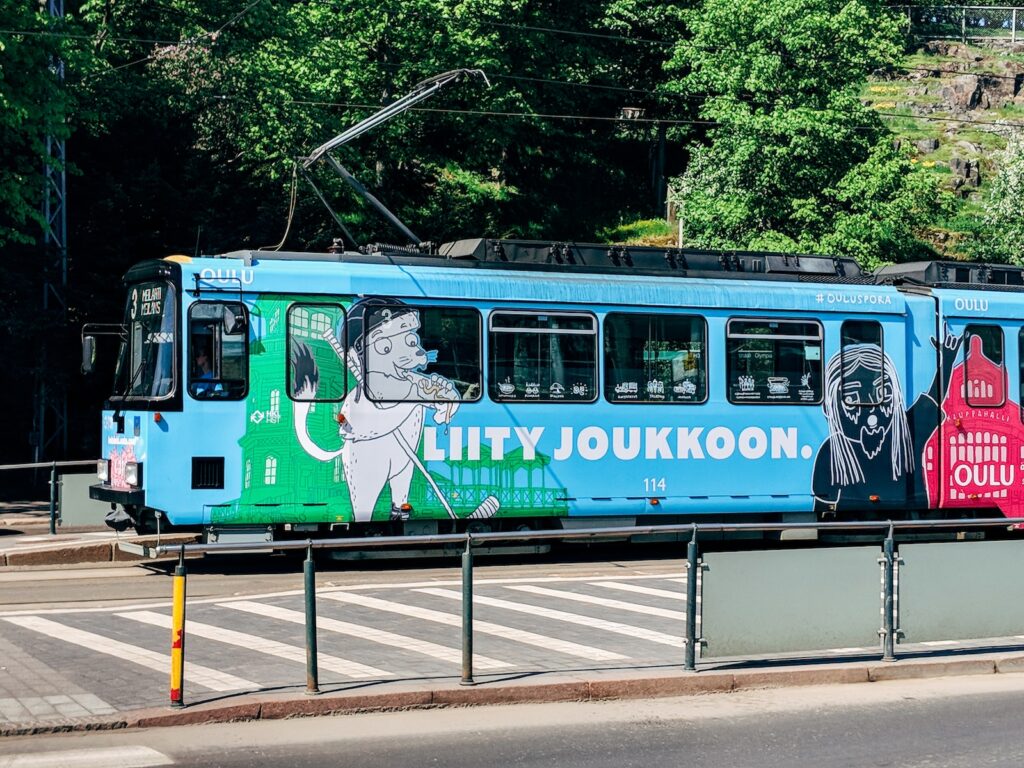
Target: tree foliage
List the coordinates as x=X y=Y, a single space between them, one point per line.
x=256 y=89
x=32 y=107
x=791 y=159
x=1002 y=238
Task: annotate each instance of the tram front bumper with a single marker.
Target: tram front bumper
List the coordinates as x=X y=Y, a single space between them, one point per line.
x=135 y=497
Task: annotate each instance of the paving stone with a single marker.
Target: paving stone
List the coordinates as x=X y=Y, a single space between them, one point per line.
x=48 y=678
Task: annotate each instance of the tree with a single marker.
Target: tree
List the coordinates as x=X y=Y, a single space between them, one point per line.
x=791 y=159
x=257 y=88
x=32 y=107
x=1002 y=237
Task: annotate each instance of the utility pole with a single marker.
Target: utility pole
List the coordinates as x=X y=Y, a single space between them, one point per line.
x=49 y=430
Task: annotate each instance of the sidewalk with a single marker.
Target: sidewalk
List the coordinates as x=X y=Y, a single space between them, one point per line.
x=532 y=688
x=18 y=514
x=25 y=539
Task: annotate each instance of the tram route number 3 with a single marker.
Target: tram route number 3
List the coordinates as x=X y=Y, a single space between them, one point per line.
x=652 y=484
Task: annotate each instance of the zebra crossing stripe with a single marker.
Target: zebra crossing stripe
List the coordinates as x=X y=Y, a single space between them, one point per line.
x=483 y=627
x=90 y=757
x=195 y=674
x=637 y=589
x=260 y=645
x=570 y=618
x=619 y=605
x=371 y=634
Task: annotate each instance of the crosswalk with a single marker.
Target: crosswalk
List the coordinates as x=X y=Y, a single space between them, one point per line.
x=371 y=633
x=212 y=679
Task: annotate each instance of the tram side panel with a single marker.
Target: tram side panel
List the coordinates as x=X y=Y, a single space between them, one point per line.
x=312 y=447
x=975 y=458
x=790 y=408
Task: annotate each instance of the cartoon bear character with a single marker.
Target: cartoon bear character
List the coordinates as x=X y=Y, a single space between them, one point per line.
x=382 y=417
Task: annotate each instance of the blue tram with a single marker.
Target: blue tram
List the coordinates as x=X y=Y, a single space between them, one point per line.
x=507 y=384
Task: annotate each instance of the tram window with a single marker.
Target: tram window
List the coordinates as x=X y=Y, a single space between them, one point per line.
x=543 y=357
x=655 y=359
x=316 y=368
x=862 y=378
x=773 y=361
x=418 y=354
x=984 y=373
x=146 y=363
x=218 y=350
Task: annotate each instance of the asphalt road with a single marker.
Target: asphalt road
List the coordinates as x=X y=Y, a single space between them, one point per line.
x=939 y=723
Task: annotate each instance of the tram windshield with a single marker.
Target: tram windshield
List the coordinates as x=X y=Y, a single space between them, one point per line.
x=145 y=365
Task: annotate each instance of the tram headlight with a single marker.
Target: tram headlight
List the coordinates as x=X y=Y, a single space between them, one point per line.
x=103 y=470
x=132 y=473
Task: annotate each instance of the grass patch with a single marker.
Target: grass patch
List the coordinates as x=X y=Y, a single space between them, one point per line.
x=640 y=232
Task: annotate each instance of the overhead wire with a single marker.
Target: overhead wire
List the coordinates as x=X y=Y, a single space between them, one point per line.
x=212 y=36
x=525 y=27
x=645 y=120
x=194 y=40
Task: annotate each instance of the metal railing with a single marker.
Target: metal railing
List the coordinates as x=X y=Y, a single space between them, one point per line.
x=964 y=22
x=467 y=541
x=54 y=481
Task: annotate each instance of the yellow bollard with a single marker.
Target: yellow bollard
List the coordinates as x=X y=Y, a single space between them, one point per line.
x=178 y=635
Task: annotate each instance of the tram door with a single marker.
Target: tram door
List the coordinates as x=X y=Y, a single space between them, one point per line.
x=980 y=436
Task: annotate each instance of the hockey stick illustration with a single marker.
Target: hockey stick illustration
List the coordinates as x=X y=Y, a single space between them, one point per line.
x=487 y=508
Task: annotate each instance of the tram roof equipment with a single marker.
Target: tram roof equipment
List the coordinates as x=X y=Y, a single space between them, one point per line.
x=953 y=274
x=568 y=257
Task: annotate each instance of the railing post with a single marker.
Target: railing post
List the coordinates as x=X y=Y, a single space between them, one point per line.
x=467 y=613
x=178 y=634
x=692 y=567
x=963 y=24
x=1013 y=26
x=53 y=498
x=312 y=676
x=888 y=598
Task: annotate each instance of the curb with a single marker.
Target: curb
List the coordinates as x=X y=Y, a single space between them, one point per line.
x=76 y=553
x=269 y=707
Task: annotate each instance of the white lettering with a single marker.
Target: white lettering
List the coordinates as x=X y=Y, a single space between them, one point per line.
x=656 y=443
x=753 y=443
x=857 y=298
x=430 y=450
x=529 y=438
x=971 y=305
x=962 y=478
x=455 y=444
x=620 y=448
x=983 y=476
x=244 y=276
x=784 y=442
x=564 y=451
x=498 y=436
x=592 y=443
x=686 y=443
x=473 y=446
x=721 y=443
